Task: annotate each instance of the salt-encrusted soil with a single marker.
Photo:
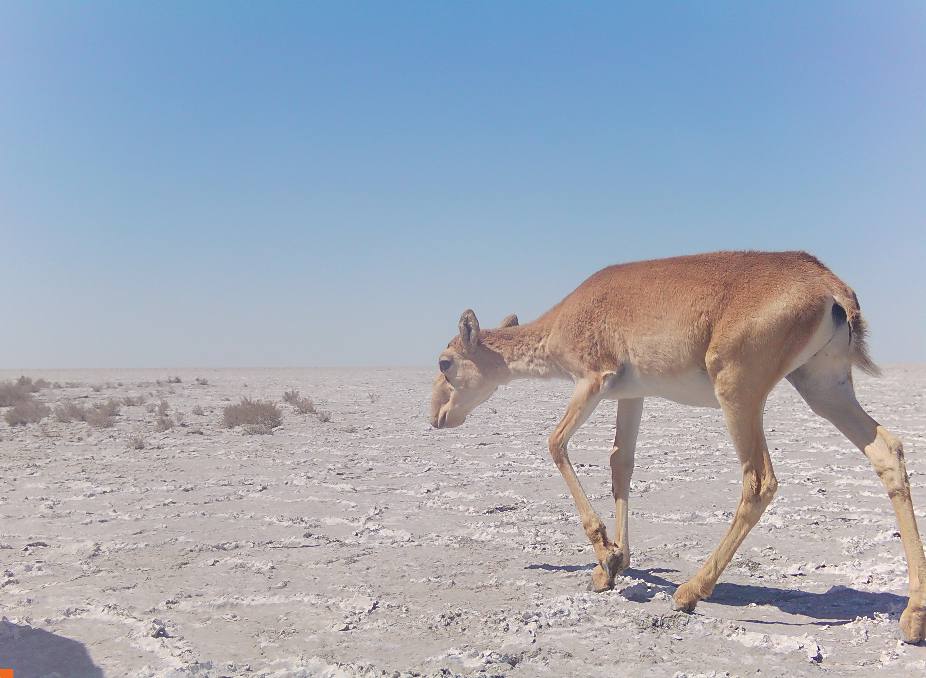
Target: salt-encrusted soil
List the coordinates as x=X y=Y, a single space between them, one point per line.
x=373 y=545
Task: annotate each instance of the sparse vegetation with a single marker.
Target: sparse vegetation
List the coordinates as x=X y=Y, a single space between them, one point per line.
x=290 y=396
x=374 y=397
x=202 y=381
x=258 y=416
x=174 y=380
x=302 y=405
x=163 y=423
x=197 y=410
x=26 y=411
x=101 y=415
x=130 y=401
x=69 y=411
x=12 y=392
x=163 y=408
x=96 y=388
x=137 y=443
x=323 y=416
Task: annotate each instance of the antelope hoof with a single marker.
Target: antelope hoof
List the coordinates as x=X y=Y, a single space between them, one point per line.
x=685 y=598
x=913 y=624
x=601 y=580
x=603 y=574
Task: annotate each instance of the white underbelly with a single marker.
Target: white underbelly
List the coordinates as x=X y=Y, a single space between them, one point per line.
x=692 y=387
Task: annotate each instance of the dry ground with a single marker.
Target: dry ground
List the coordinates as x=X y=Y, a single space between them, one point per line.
x=372 y=545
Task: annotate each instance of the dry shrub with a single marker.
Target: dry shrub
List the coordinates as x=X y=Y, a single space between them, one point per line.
x=197 y=410
x=163 y=423
x=110 y=407
x=323 y=416
x=137 y=443
x=103 y=415
x=374 y=397
x=26 y=383
x=26 y=411
x=261 y=414
x=202 y=381
x=98 y=418
x=130 y=401
x=70 y=411
x=163 y=408
x=302 y=405
x=96 y=388
x=12 y=392
x=174 y=380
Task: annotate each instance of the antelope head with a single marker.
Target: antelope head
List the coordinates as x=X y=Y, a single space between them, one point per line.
x=470 y=372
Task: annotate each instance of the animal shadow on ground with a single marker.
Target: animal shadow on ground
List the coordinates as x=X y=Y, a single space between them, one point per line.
x=32 y=653
x=838 y=605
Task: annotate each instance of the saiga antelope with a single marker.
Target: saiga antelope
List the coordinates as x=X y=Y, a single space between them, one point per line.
x=715 y=330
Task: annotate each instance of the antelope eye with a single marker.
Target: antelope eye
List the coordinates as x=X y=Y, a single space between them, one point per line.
x=444 y=364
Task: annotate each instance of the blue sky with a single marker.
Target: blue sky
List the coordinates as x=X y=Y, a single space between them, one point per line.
x=249 y=184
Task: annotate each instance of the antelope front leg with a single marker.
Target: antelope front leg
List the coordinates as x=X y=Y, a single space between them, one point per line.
x=629 y=412
x=586 y=397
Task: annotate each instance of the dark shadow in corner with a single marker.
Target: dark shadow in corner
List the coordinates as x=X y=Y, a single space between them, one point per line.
x=838 y=605
x=649 y=575
x=32 y=652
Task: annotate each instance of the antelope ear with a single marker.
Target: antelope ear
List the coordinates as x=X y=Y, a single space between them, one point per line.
x=469 y=329
x=509 y=321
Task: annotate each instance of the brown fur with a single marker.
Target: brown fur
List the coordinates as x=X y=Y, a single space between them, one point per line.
x=717 y=329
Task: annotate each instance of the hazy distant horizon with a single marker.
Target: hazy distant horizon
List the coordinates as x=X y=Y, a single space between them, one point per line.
x=247 y=184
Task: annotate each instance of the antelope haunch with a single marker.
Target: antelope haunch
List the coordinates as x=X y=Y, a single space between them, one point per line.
x=716 y=330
